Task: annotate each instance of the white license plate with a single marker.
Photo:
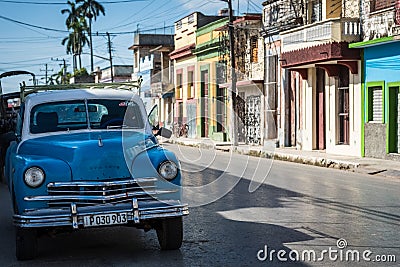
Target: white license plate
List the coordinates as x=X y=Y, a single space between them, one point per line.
x=105 y=219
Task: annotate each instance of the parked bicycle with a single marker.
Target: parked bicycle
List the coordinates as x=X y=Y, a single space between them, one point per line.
x=181 y=130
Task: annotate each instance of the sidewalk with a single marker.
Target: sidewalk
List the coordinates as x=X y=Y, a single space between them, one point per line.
x=387 y=168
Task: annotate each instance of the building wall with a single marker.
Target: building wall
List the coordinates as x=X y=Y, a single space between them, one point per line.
x=182 y=66
x=308 y=117
x=382 y=69
x=308 y=111
x=379 y=19
x=355 y=117
x=207 y=52
x=185 y=30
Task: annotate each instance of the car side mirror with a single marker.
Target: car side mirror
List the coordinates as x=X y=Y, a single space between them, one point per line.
x=164 y=132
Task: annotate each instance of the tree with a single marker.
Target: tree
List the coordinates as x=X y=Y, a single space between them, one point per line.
x=77 y=27
x=73 y=14
x=90 y=9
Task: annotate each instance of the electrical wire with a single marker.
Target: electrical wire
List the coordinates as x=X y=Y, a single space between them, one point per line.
x=31 y=25
x=58 y=3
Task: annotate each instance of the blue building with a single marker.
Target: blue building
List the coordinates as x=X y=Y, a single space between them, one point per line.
x=381 y=79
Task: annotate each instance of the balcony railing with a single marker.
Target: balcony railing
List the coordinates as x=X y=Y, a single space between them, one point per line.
x=381 y=23
x=332 y=30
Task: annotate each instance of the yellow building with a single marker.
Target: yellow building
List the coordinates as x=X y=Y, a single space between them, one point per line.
x=185 y=64
x=212 y=112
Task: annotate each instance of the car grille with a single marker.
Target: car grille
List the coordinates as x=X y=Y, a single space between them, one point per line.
x=105 y=192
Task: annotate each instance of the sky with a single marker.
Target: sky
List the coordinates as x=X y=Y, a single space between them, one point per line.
x=31 y=31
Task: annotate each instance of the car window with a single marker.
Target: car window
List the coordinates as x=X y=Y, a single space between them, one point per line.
x=115 y=113
x=72 y=115
x=58 y=116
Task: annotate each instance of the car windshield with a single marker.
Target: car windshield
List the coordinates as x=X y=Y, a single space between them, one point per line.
x=74 y=115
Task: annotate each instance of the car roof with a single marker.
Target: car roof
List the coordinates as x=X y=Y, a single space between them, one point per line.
x=77 y=94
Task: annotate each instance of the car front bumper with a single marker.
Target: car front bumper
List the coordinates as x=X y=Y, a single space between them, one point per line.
x=137 y=212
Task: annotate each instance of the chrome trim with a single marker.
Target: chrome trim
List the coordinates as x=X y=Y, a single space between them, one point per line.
x=100 y=198
x=74 y=216
x=109 y=183
x=137 y=211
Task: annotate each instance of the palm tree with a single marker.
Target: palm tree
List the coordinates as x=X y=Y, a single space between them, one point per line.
x=76 y=40
x=91 y=9
x=73 y=14
x=77 y=27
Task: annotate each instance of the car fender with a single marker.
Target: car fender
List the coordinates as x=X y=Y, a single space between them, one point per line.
x=54 y=169
x=153 y=157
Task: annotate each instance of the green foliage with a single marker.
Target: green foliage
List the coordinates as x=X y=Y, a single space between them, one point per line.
x=78 y=13
x=80 y=72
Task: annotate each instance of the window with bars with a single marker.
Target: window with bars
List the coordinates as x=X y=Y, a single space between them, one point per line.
x=316 y=11
x=220 y=109
x=191 y=19
x=190 y=86
x=343 y=107
x=178 y=25
x=254 y=49
x=375 y=104
x=178 y=92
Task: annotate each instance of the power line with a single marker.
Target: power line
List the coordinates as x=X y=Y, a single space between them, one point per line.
x=57 y=3
x=31 y=25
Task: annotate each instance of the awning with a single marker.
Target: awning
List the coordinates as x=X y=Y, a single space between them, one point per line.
x=169 y=94
x=374 y=42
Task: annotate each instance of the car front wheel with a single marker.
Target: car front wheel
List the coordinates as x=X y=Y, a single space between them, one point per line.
x=170 y=233
x=26 y=243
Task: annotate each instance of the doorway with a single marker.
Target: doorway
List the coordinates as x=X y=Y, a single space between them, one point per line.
x=204 y=104
x=320 y=110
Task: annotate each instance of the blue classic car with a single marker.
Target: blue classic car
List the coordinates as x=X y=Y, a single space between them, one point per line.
x=89 y=158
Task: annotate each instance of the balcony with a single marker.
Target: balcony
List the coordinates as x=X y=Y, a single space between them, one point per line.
x=327 y=31
x=381 y=23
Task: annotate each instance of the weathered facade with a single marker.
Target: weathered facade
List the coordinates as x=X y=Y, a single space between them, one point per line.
x=249 y=58
x=213 y=102
x=283 y=105
x=326 y=73
x=150 y=64
x=184 y=69
x=381 y=82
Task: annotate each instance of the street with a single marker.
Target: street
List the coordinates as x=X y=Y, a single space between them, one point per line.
x=296 y=208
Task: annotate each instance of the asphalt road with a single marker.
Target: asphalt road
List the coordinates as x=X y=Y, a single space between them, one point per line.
x=243 y=208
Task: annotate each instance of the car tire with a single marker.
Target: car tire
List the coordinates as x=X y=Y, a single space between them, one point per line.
x=26 y=243
x=170 y=233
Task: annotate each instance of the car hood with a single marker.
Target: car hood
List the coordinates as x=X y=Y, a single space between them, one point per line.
x=90 y=155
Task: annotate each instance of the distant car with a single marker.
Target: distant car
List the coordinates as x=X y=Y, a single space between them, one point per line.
x=9 y=108
x=88 y=158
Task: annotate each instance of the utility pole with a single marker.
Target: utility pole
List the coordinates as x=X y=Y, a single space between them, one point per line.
x=109 y=51
x=90 y=16
x=46 y=70
x=64 y=78
x=234 y=119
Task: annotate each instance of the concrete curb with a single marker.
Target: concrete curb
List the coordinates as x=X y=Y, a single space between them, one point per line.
x=276 y=155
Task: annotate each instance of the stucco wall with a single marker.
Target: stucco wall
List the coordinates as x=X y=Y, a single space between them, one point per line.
x=332 y=127
x=308 y=111
x=375 y=140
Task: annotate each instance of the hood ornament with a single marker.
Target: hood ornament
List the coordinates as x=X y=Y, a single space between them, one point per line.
x=100 y=143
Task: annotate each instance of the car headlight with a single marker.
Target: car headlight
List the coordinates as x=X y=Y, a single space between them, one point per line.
x=34 y=177
x=168 y=170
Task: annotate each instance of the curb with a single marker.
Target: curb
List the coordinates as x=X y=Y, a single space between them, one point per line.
x=308 y=160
